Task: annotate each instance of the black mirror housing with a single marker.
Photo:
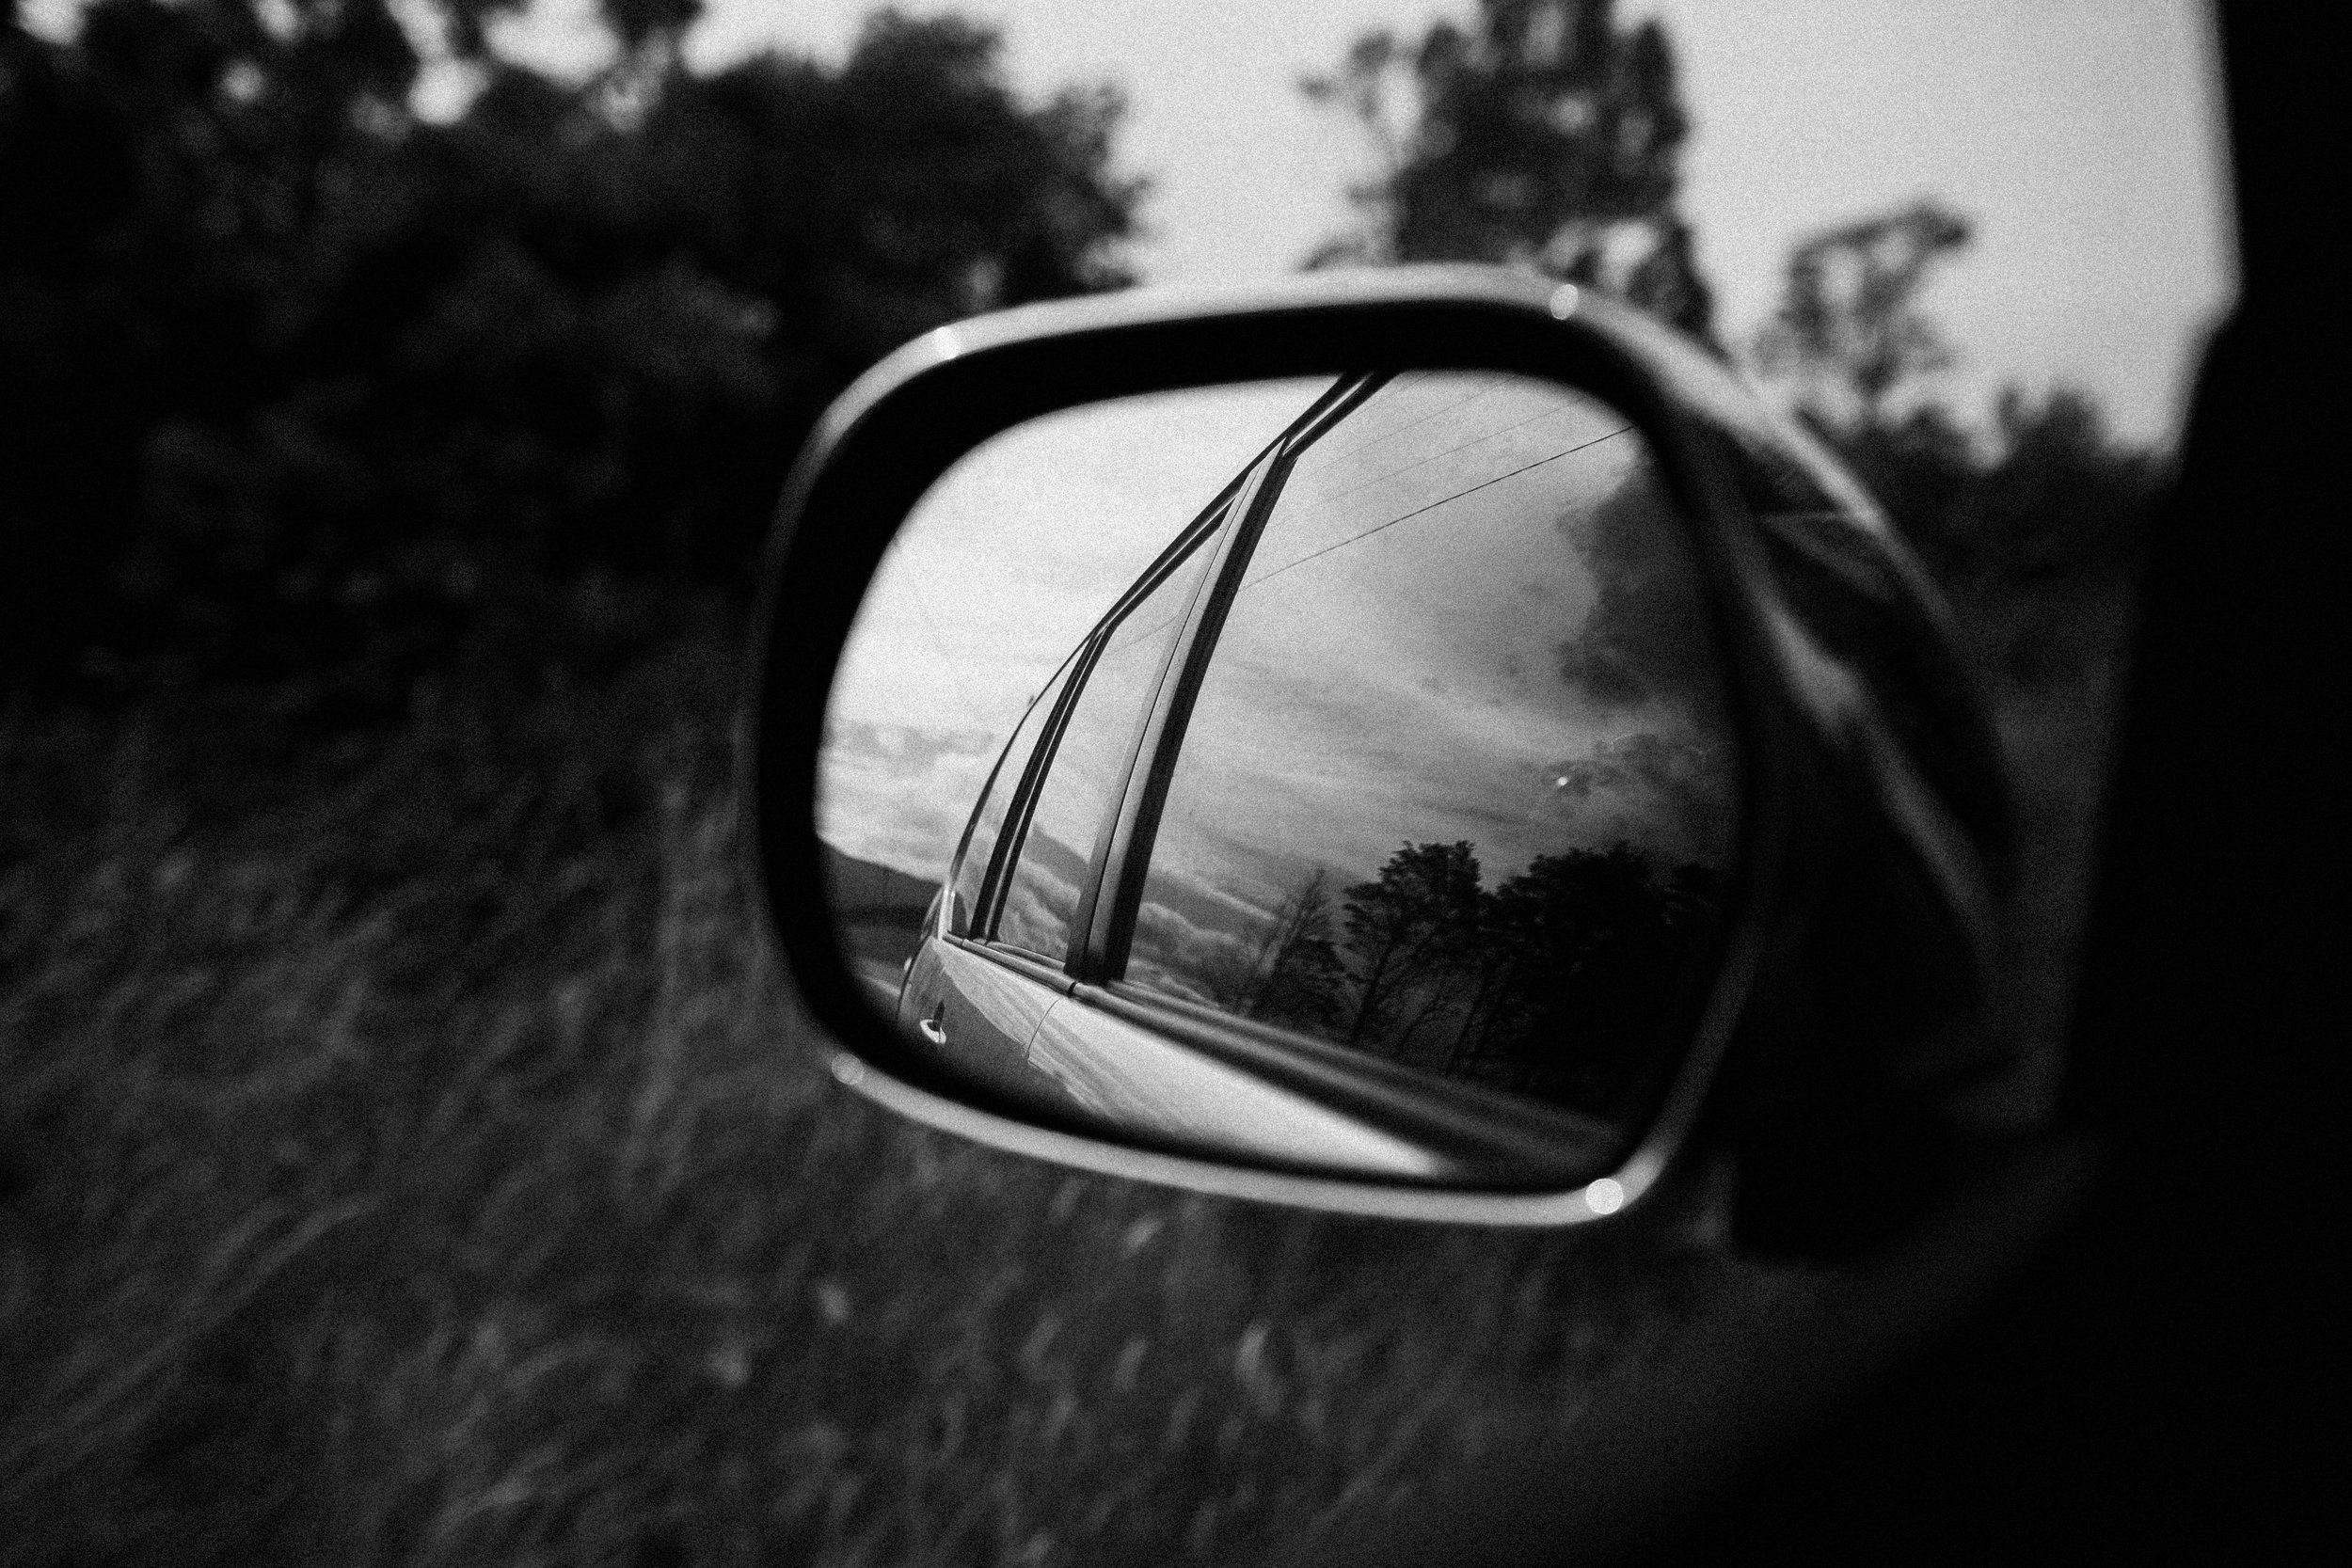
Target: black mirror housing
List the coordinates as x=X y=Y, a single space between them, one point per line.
x=1829 y=727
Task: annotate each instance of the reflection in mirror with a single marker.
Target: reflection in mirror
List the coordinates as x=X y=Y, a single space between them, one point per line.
x=1002 y=570
x=1330 y=774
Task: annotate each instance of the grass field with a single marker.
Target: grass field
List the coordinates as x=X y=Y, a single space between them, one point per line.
x=411 y=1158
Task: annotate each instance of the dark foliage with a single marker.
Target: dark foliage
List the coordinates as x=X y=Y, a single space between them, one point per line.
x=1606 y=951
x=303 y=389
x=1849 y=323
x=1545 y=136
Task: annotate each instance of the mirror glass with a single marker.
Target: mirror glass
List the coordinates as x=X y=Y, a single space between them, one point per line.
x=1331 y=774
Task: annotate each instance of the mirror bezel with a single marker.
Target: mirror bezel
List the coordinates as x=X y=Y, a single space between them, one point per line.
x=885 y=442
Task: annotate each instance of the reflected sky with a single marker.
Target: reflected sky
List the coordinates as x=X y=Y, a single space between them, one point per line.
x=1001 y=568
x=1420 y=604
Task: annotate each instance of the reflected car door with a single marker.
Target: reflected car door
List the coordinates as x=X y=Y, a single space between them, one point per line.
x=975 y=1014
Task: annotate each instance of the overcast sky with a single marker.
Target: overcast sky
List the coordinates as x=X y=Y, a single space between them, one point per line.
x=2080 y=134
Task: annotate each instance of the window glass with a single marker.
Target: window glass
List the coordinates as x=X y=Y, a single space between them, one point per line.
x=1090 y=764
x=1459 y=788
x=988 y=818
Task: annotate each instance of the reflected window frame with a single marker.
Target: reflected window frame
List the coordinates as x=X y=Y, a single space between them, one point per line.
x=1211 y=531
x=962 y=915
x=1205 y=533
x=1111 y=934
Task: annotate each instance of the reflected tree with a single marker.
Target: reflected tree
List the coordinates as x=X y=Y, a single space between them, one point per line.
x=1412 y=933
x=1564 y=984
x=1291 y=974
x=1605 y=959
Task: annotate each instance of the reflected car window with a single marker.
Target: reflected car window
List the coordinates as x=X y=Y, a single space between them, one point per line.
x=988 y=818
x=1088 y=764
x=1459 y=786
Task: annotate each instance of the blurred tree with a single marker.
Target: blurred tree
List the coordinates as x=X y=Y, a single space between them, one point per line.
x=2043 y=495
x=638 y=22
x=2063 y=493
x=307 y=389
x=1850 y=328
x=1544 y=136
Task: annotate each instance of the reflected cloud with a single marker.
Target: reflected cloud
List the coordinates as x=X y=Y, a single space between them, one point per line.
x=1670 y=795
x=1646 y=639
x=898 y=794
x=1042 y=895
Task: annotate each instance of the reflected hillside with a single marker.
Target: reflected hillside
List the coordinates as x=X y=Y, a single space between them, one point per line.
x=878 y=910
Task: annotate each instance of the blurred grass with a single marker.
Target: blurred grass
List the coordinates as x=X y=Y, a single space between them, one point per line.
x=410 y=1156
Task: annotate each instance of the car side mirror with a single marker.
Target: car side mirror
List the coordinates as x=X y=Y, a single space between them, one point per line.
x=1351 y=744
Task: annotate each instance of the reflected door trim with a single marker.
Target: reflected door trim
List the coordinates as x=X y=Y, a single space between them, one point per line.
x=1384 y=1200
x=1495 y=1140
x=1127 y=1063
